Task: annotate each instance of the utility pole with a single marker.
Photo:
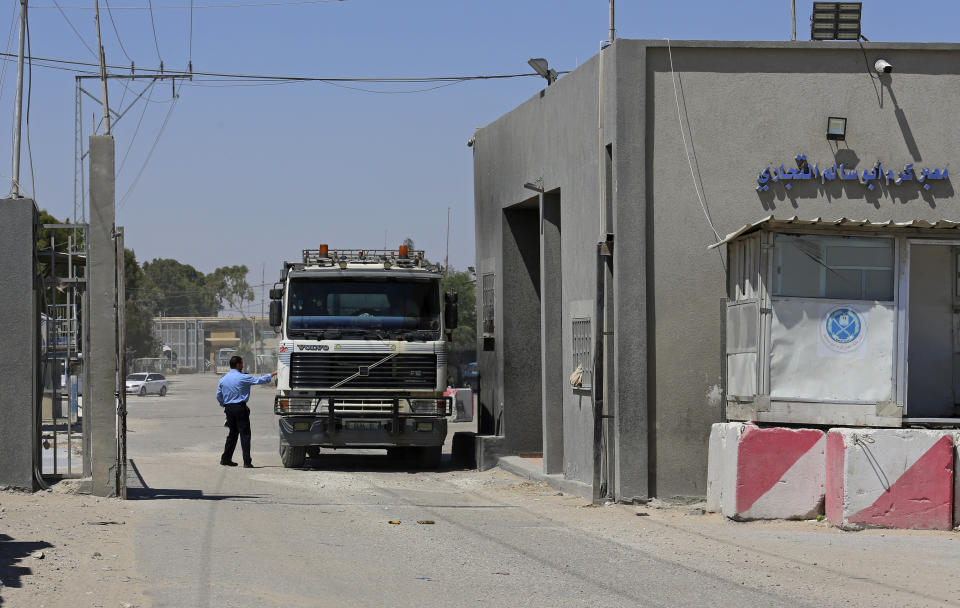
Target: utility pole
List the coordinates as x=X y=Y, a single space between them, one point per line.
x=18 y=111
x=793 y=19
x=613 y=29
x=446 y=261
x=103 y=71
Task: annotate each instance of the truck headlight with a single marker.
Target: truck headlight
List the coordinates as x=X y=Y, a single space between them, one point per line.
x=423 y=406
x=291 y=405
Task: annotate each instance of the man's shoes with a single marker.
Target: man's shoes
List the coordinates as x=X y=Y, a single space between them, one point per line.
x=248 y=465
x=227 y=463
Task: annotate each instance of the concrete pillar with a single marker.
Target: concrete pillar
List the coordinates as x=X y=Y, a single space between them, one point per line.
x=551 y=329
x=100 y=406
x=19 y=448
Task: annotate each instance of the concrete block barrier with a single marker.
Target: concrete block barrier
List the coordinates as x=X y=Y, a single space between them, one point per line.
x=765 y=473
x=891 y=478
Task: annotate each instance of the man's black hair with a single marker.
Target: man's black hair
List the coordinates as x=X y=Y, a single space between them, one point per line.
x=235 y=360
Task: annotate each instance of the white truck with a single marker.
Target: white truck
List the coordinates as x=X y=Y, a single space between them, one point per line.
x=362 y=355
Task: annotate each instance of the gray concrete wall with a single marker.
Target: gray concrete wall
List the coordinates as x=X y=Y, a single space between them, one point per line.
x=522 y=147
x=19 y=445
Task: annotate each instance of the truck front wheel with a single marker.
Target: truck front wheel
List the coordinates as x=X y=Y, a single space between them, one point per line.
x=292 y=456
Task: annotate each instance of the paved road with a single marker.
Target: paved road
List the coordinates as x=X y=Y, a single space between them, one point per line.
x=208 y=535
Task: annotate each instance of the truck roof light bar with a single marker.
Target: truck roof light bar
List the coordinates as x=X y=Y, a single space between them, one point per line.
x=402 y=257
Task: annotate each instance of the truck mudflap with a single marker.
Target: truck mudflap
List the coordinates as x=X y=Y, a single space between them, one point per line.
x=362 y=432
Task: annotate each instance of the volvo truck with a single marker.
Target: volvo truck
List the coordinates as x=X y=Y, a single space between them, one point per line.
x=362 y=354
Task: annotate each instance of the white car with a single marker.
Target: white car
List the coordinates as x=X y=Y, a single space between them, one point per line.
x=142 y=384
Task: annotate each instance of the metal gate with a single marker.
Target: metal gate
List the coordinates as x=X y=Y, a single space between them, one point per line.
x=64 y=339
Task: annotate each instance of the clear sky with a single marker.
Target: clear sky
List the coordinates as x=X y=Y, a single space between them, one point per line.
x=253 y=174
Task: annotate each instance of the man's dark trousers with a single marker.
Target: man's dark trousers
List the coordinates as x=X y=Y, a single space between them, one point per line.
x=238 y=421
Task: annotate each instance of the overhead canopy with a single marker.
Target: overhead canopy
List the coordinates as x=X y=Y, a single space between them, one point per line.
x=846 y=223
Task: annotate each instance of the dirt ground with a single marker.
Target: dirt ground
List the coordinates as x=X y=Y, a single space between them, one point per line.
x=199 y=535
x=59 y=548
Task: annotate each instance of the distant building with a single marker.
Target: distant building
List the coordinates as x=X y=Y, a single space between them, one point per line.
x=198 y=344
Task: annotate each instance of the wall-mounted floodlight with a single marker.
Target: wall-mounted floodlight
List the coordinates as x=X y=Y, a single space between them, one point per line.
x=837 y=128
x=540 y=66
x=534 y=187
x=836 y=21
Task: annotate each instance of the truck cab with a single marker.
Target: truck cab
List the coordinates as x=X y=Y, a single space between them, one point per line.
x=362 y=355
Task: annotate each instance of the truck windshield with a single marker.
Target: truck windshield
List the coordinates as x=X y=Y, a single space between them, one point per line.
x=363 y=304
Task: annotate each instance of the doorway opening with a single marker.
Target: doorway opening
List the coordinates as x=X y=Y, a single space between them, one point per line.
x=933 y=330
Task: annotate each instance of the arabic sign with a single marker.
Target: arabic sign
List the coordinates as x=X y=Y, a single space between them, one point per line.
x=868 y=178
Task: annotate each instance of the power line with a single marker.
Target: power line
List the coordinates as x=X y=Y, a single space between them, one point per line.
x=137 y=130
x=146 y=161
x=153 y=24
x=3 y=71
x=190 y=53
x=75 y=31
x=33 y=181
x=117 y=32
x=206 y=6
x=282 y=78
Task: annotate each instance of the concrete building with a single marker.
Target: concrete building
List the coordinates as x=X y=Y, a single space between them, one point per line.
x=646 y=155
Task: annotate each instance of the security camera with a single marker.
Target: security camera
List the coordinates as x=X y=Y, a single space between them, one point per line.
x=882 y=66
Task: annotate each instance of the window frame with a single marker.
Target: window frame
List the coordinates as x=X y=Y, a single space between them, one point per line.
x=581 y=349
x=776 y=280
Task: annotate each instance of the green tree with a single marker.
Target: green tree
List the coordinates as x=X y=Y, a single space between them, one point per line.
x=229 y=283
x=139 y=310
x=180 y=290
x=463 y=284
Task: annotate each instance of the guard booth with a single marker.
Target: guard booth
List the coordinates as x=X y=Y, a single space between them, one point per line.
x=844 y=322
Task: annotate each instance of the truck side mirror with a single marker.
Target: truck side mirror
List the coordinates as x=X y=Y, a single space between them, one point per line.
x=276 y=313
x=451 y=312
x=276 y=293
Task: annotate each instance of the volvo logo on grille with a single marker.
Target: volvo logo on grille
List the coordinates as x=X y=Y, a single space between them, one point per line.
x=313 y=347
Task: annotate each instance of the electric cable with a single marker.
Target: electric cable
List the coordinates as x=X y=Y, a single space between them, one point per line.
x=156 y=43
x=190 y=51
x=137 y=130
x=693 y=177
x=75 y=31
x=33 y=181
x=3 y=70
x=263 y=77
x=117 y=32
x=146 y=161
x=206 y=6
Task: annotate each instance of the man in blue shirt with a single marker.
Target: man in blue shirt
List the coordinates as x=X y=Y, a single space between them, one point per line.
x=232 y=394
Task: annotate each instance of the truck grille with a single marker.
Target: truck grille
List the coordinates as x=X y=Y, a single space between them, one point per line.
x=324 y=370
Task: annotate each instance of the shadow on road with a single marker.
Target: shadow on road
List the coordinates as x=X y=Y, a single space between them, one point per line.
x=173 y=494
x=137 y=489
x=11 y=552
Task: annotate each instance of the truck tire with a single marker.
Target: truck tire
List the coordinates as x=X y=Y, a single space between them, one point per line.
x=292 y=456
x=429 y=457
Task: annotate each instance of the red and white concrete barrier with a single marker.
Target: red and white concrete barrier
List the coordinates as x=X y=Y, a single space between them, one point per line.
x=892 y=478
x=765 y=473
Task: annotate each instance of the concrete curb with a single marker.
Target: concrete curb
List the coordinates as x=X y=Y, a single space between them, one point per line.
x=522 y=468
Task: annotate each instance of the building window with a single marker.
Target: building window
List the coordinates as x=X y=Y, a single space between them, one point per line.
x=582 y=349
x=835 y=267
x=489 y=303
